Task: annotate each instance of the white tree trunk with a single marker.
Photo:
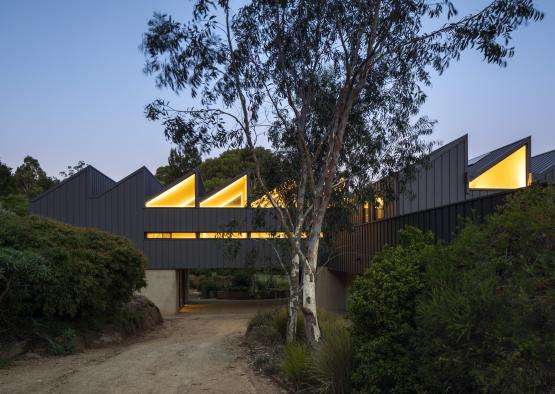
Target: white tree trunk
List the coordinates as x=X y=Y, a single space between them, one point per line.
x=312 y=328
x=293 y=306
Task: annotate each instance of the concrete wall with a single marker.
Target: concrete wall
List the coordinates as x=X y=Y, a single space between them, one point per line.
x=332 y=289
x=162 y=289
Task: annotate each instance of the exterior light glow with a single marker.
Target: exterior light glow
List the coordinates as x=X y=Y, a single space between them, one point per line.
x=158 y=235
x=181 y=195
x=184 y=235
x=231 y=196
x=509 y=173
x=379 y=208
x=263 y=235
x=223 y=235
x=265 y=202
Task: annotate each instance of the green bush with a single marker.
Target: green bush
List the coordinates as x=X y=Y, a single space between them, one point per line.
x=333 y=359
x=63 y=344
x=16 y=203
x=476 y=315
x=382 y=310
x=208 y=284
x=296 y=363
x=326 y=368
x=487 y=315
x=56 y=272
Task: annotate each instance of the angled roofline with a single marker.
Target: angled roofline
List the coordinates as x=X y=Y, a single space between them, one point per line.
x=490 y=159
x=67 y=180
x=548 y=168
x=442 y=149
x=121 y=181
x=199 y=185
x=247 y=173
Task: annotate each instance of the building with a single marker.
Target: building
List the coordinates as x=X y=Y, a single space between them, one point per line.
x=180 y=227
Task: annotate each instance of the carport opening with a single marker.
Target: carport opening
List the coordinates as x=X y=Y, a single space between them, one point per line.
x=202 y=287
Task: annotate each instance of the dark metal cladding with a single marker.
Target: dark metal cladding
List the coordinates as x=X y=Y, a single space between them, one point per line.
x=442 y=181
x=91 y=199
x=368 y=239
x=543 y=167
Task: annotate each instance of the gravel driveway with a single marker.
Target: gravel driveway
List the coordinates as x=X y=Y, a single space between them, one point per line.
x=199 y=351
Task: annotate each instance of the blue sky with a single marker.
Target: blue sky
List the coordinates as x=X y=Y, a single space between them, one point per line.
x=72 y=87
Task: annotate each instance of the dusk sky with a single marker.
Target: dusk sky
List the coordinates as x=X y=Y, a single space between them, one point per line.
x=72 y=87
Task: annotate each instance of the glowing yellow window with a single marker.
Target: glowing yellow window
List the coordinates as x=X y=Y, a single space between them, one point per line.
x=264 y=201
x=231 y=196
x=509 y=173
x=223 y=235
x=184 y=235
x=379 y=208
x=181 y=195
x=366 y=213
x=158 y=235
x=268 y=235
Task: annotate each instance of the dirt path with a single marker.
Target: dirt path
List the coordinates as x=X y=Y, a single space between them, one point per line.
x=196 y=352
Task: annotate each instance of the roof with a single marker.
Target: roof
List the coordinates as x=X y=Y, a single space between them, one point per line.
x=482 y=163
x=89 y=170
x=542 y=162
x=442 y=149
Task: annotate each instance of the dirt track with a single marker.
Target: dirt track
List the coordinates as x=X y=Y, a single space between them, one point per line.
x=196 y=352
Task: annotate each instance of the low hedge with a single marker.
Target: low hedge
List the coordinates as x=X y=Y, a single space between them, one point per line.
x=475 y=315
x=51 y=272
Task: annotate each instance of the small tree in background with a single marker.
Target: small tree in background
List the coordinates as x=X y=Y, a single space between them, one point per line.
x=72 y=170
x=30 y=179
x=260 y=72
x=180 y=162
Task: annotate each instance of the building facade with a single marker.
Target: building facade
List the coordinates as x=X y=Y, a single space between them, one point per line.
x=180 y=227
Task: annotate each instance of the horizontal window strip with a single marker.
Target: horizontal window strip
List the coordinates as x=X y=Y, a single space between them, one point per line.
x=220 y=235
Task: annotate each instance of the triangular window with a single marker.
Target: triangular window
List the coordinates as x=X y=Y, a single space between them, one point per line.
x=509 y=173
x=181 y=195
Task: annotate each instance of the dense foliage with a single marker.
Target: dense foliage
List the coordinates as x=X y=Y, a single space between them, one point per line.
x=382 y=309
x=324 y=368
x=180 y=162
x=53 y=273
x=476 y=315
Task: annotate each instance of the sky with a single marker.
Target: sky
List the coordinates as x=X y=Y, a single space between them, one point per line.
x=72 y=87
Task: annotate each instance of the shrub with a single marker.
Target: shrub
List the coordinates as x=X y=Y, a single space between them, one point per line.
x=16 y=203
x=333 y=359
x=208 y=284
x=382 y=309
x=62 y=273
x=487 y=316
x=63 y=344
x=296 y=364
x=477 y=315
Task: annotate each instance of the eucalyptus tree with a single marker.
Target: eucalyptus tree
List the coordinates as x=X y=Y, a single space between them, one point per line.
x=335 y=85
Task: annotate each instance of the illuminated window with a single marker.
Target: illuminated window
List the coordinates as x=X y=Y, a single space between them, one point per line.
x=231 y=196
x=158 y=235
x=266 y=235
x=184 y=235
x=379 y=208
x=181 y=195
x=264 y=201
x=366 y=213
x=170 y=235
x=223 y=235
x=509 y=173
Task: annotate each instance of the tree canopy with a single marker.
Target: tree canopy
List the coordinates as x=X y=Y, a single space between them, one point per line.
x=180 y=162
x=336 y=86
